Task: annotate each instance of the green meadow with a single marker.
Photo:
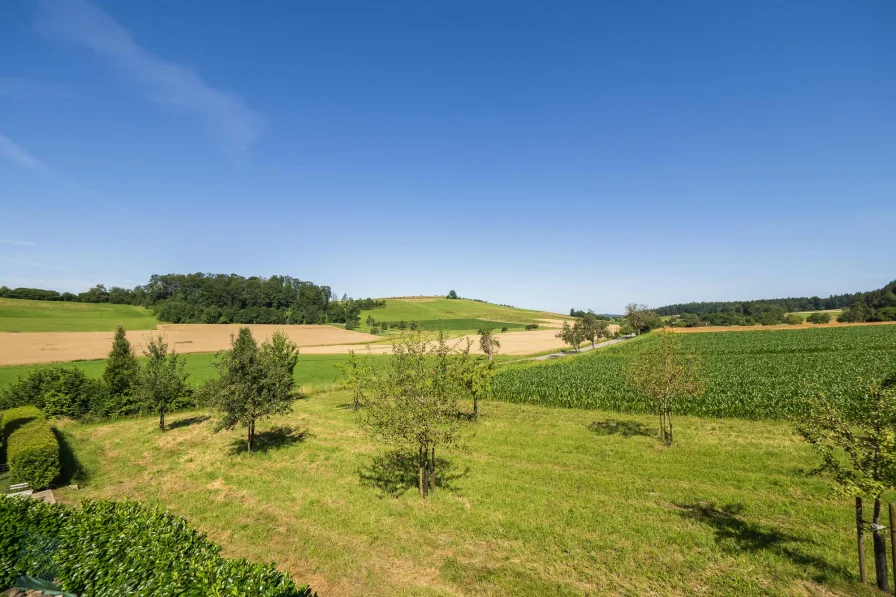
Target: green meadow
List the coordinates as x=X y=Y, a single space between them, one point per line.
x=313 y=371
x=431 y=309
x=19 y=315
x=541 y=501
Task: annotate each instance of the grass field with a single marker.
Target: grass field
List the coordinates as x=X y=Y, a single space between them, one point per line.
x=431 y=309
x=19 y=315
x=313 y=371
x=753 y=375
x=542 y=502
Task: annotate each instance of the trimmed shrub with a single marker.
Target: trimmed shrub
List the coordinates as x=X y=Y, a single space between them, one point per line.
x=126 y=548
x=31 y=448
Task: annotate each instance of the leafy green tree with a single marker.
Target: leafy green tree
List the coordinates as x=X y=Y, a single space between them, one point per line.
x=640 y=318
x=410 y=398
x=819 y=317
x=254 y=382
x=594 y=328
x=793 y=319
x=452 y=294
x=162 y=379
x=666 y=375
x=122 y=368
x=571 y=334
x=488 y=343
x=859 y=456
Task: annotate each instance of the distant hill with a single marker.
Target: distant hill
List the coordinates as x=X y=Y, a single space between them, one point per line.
x=873 y=300
x=458 y=314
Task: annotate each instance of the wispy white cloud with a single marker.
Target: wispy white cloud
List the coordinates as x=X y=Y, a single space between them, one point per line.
x=18 y=243
x=36 y=264
x=18 y=155
x=21 y=86
x=225 y=115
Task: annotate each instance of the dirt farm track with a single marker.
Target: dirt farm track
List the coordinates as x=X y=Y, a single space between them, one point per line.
x=47 y=347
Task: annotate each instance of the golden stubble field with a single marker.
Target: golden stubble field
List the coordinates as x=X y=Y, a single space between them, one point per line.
x=48 y=347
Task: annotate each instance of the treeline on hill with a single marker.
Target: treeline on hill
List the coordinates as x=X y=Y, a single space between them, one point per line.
x=876 y=305
x=222 y=298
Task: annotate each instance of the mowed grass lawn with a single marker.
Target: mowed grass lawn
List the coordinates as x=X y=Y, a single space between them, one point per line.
x=19 y=315
x=542 y=501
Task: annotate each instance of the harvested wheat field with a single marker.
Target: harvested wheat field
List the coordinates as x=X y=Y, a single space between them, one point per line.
x=48 y=347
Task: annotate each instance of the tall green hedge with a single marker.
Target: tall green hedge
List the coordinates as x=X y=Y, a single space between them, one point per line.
x=125 y=548
x=32 y=451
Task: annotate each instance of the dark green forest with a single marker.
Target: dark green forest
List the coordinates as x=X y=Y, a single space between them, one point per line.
x=222 y=298
x=875 y=305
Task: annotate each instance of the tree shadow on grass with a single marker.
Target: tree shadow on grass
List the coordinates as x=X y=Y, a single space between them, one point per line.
x=187 y=422
x=273 y=439
x=736 y=535
x=623 y=428
x=395 y=472
x=70 y=469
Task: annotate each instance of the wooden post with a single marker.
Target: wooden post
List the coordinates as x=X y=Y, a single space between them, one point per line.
x=893 y=538
x=859 y=534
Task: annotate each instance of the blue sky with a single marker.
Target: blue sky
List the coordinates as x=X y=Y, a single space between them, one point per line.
x=545 y=155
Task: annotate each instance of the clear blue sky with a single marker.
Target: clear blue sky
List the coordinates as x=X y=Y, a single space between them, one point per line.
x=546 y=155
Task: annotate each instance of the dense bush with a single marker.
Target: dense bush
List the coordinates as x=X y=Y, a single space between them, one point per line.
x=819 y=317
x=57 y=391
x=32 y=451
x=125 y=548
x=749 y=375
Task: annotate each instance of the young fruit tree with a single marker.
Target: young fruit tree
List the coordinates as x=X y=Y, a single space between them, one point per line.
x=254 y=382
x=162 y=379
x=666 y=375
x=594 y=328
x=858 y=452
x=488 y=343
x=571 y=334
x=410 y=398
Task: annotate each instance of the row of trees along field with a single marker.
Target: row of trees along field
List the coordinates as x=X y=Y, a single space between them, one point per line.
x=876 y=305
x=223 y=298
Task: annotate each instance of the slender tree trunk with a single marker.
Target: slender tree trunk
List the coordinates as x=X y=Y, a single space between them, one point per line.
x=426 y=473
x=162 y=421
x=432 y=471
x=880 y=551
x=669 y=418
x=475 y=407
x=250 y=441
x=662 y=423
x=420 y=470
x=860 y=536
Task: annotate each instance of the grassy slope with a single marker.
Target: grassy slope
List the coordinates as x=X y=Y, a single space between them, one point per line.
x=317 y=370
x=19 y=315
x=436 y=307
x=538 y=504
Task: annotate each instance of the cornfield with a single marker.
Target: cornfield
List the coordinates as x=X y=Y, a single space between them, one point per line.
x=749 y=375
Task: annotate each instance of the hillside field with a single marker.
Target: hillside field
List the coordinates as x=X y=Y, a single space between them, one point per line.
x=431 y=309
x=542 y=501
x=19 y=315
